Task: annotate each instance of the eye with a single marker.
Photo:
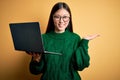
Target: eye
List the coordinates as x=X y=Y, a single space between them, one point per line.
x=57 y=17
x=65 y=17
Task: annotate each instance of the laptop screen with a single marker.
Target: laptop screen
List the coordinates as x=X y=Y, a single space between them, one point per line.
x=27 y=36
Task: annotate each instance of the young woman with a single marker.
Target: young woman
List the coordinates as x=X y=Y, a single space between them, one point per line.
x=60 y=38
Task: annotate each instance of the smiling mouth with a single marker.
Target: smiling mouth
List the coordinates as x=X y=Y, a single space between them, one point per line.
x=61 y=25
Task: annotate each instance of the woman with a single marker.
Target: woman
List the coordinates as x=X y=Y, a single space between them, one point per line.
x=59 y=38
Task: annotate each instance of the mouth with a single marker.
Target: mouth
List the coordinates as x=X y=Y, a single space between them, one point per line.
x=61 y=25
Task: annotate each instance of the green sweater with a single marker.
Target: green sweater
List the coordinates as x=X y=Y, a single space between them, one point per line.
x=62 y=67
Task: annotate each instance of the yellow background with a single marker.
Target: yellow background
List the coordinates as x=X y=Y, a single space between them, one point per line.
x=89 y=17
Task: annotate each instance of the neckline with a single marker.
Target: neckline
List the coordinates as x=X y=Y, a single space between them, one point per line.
x=62 y=35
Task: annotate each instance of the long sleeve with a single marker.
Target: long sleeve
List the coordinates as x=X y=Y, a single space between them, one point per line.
x=36 y=67
x=81 y=58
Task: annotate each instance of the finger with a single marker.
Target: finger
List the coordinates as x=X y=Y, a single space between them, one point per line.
x=96 y=35
x=34 y=54
x=37 y=54
x=30 y=53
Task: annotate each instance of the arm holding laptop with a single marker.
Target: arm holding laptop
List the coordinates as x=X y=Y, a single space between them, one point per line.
x=35 y=56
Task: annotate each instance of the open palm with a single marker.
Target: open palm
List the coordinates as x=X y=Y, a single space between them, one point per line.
x=90 y=37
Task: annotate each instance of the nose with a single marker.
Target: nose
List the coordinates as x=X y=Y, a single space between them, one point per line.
x=61 y=19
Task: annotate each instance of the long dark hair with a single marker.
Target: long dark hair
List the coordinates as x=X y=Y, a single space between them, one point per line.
x=57 y=6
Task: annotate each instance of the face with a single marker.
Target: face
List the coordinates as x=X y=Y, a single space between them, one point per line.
x=61 y=20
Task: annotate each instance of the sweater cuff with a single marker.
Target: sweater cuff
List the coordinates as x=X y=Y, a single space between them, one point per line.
x=34 y=62
x=85 y=42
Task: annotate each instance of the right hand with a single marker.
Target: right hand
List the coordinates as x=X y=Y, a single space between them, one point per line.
x=36 y=56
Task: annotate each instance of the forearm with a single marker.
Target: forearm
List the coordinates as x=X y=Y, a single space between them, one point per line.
x=81 y=58
x=36 y=67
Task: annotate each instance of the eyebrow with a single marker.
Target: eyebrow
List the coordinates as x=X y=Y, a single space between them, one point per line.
x=63 y=15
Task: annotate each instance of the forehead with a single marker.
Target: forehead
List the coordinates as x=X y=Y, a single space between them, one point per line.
x=62 y=11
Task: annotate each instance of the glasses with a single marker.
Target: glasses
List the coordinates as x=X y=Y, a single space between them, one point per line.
x=64 y=18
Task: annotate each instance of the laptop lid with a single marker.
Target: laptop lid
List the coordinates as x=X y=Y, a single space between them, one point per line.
x=27 y=36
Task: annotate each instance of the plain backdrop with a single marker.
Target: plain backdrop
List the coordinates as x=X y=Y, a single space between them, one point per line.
x=89 y=17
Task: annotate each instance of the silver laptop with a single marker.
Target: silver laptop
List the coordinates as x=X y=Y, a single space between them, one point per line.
x=27 y=37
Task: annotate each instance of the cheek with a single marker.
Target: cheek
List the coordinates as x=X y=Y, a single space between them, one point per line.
x=67 y=24
x=55 y=23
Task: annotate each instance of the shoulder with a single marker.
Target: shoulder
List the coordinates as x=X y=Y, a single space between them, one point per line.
x=44 y=35
x=75 y=35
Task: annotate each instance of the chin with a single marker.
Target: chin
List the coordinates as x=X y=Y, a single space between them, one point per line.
x=61 y=29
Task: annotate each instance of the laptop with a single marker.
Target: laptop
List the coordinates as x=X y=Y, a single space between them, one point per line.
x=27 y=37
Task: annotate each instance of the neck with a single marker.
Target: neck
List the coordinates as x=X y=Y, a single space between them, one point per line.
x=59 y=31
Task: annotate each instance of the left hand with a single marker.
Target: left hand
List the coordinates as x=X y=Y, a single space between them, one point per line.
x=90 y=37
